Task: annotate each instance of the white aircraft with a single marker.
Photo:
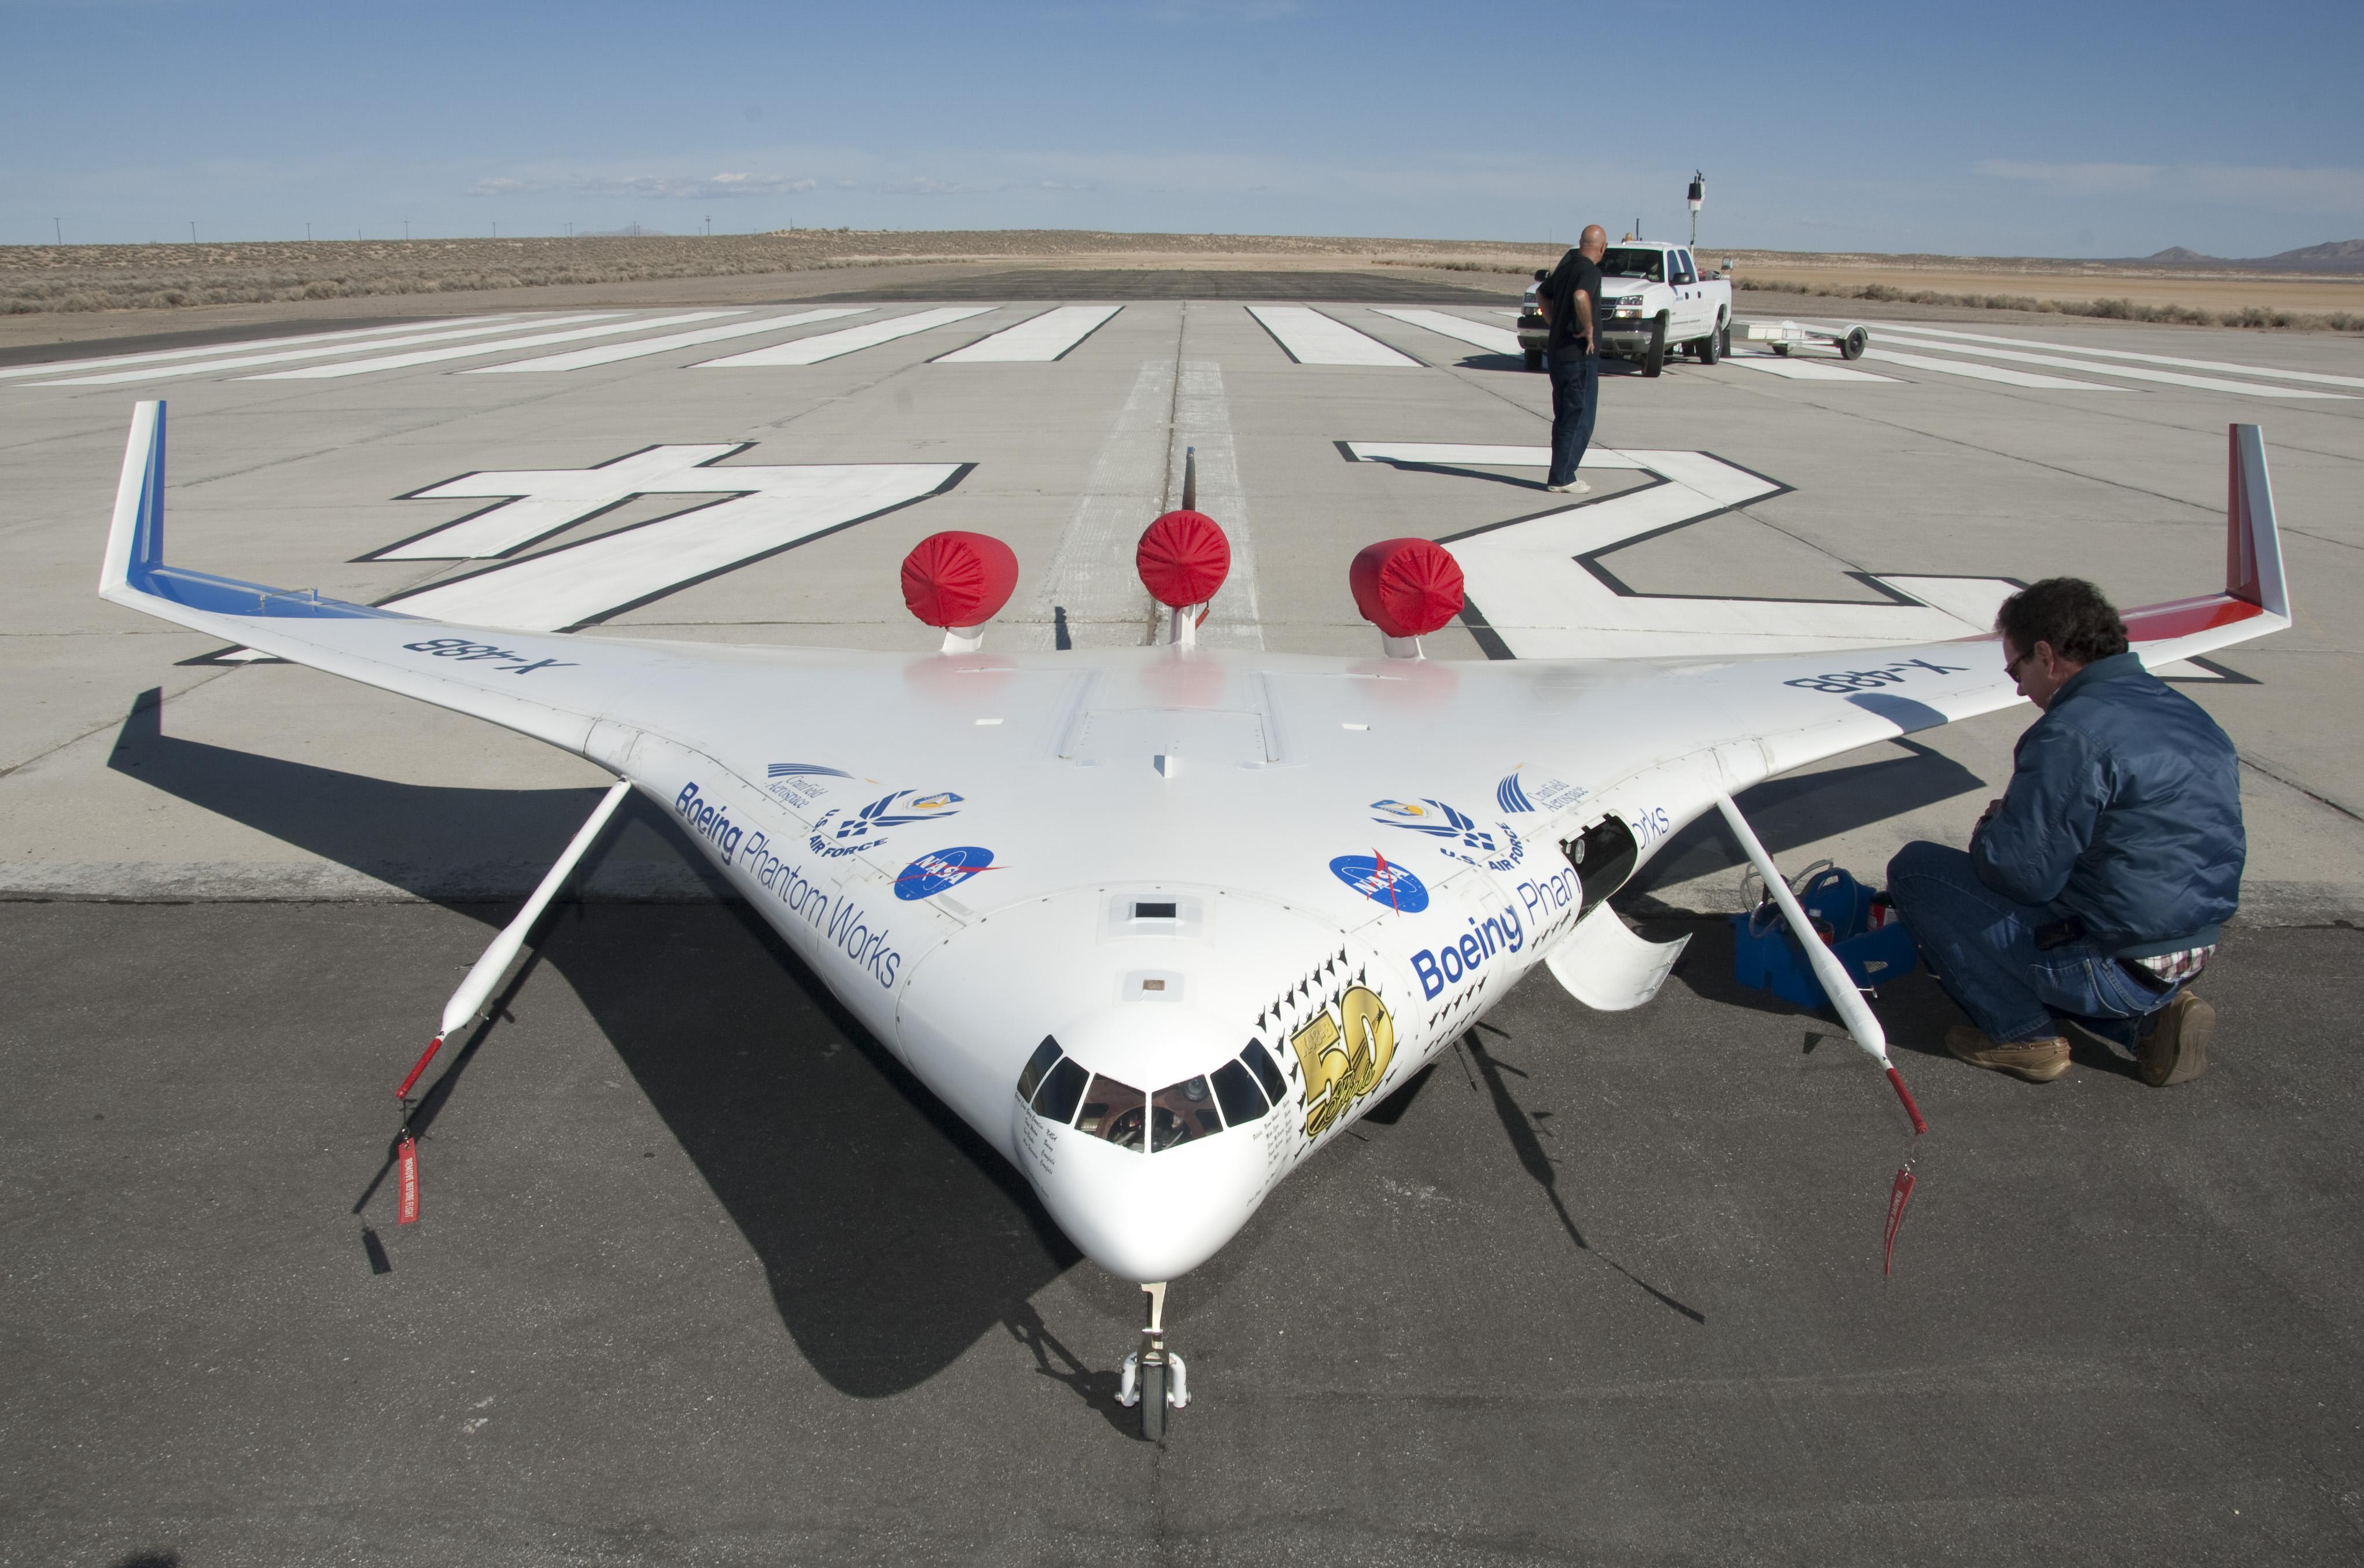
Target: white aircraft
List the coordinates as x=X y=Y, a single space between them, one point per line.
x=1161 y=922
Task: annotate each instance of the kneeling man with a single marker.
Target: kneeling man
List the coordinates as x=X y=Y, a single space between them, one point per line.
x=2093 y=890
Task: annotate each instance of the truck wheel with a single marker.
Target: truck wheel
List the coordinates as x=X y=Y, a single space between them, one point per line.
x=1723 y=339
x=1534 y=359
x=1710 y=348
x=1656 y=359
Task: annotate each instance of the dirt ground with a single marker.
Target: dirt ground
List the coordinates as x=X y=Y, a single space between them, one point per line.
x=79 y=293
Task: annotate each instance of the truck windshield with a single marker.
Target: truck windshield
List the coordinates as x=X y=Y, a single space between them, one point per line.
x=1625 y=262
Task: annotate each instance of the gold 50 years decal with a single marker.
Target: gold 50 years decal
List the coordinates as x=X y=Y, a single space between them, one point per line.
x=1345 y=1054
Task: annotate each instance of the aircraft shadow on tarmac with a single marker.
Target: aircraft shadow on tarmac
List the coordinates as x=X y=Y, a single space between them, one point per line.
x=892 y=1237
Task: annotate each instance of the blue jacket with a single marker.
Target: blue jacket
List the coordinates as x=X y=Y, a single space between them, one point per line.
x=2124 y=811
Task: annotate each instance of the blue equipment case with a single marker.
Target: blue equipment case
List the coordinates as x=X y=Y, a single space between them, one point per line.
x=1765 y=957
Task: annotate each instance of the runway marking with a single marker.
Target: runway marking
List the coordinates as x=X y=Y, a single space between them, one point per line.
x=506 y=319
x=2130 y=372
x=2317 y=378
x=611 y=353
x=1310 y=338
x=773 y=508
x=1202 y=418
x=540 y=502
x=1463 y=453
x=830 y=345
x=1989 y=373
x=1491 y=339
x=1539 y=592
x=244 y=361
x=1091 y=579
x=468 y=350
x=1798 y=369
x=1045 y=336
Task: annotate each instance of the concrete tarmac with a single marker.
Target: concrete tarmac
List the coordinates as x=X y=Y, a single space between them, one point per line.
x=705 y=1279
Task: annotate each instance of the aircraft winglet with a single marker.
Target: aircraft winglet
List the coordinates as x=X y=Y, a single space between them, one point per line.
x=2253 y=543
x=134 y=569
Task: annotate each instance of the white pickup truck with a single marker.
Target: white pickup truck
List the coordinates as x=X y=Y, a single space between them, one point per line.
x=1653 y=298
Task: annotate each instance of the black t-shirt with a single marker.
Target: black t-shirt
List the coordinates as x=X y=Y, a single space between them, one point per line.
x=1576 y=271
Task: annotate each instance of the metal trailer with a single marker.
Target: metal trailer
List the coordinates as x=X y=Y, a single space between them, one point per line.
x=1783 y=335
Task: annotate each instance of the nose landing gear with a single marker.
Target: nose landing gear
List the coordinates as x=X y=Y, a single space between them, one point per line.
x=1155 y=1379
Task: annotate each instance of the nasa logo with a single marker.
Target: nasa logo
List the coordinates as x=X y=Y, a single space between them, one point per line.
x=941 y=871
x=836 y=836
x=1377 y=880
x=1456 y=833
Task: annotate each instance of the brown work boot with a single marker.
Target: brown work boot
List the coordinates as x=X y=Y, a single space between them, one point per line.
x=2174 y=1044
x=2038 y=1060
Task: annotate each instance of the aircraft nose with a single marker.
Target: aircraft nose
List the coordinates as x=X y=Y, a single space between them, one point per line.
x=1150 y=1182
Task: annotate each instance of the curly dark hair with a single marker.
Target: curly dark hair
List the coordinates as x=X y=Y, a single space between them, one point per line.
x=2067 y=612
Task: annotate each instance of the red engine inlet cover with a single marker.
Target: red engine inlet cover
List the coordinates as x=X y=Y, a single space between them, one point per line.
x=1183 y=559
x=1405 y=587
x=958 y=579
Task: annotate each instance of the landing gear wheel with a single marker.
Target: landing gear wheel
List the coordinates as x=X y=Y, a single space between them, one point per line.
x=1153 y=1401
x=1534 y=359
x=1710 y=348
x=1655 y=361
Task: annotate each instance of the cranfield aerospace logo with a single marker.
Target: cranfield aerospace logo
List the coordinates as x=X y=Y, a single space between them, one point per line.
x=1529 y=795
x=800 y=783
x=1454 y=833
x=1382 y=881
x=941 y=871
x=836 y=833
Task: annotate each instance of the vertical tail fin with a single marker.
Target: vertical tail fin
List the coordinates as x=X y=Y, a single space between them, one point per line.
x=135 y=544
x=2253 y=547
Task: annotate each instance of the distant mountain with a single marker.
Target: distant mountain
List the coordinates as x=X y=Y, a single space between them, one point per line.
x=2332 y=256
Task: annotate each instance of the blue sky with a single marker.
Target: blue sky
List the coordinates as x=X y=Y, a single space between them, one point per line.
x=2007 y=129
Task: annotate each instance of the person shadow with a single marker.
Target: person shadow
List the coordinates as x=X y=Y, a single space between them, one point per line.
x=892 y=1237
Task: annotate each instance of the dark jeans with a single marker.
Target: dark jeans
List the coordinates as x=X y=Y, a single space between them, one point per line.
x=1576 y=398
x=1981 y=946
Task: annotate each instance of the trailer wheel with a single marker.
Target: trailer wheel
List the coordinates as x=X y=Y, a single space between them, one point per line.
x=1534 y=359
x=1655 y=361
x=1710 y=348
x=1851 y=346
x=1783 y=349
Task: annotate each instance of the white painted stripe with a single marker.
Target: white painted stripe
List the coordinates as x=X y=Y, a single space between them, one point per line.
x=508 y=319
x=610 y=353
x=1202 y=418
x=546 y=500
x=2314 y=378
x=1797 y=367
x=245 y=361
x=1492 y=338
x=580 y=582
x=828 y=345
x=1988 y=372
x=1313 y=339
x=2166 y=378
x=1479 y=456
x=436 y=356
x=1046 y=336
x=1091 y=584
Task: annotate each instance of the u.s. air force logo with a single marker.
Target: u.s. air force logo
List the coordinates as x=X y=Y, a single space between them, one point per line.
x=1454 y=834
x=838 y=833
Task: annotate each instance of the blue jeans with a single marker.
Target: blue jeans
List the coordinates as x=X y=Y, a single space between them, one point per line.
x=1981 y=946
x=1576 y=398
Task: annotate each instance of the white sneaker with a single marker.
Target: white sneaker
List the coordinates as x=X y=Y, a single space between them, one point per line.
x=1573 y=487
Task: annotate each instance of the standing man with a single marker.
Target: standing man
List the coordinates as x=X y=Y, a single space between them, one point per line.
x=1567 y=301
x=2093 y=890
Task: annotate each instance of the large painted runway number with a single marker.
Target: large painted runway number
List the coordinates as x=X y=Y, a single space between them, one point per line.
x=1537 y=591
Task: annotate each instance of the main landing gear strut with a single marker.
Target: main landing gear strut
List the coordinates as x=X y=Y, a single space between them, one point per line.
x=1154 y=1378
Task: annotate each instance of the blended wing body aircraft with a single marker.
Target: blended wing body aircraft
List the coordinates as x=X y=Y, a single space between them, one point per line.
x=1161 y=922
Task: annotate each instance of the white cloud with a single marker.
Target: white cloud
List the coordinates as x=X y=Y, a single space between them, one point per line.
x=2076 y=179
x=660 y=186
x=922 y=187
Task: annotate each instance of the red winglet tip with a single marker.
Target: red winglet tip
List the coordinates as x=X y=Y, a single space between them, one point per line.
x=1905 y=1094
